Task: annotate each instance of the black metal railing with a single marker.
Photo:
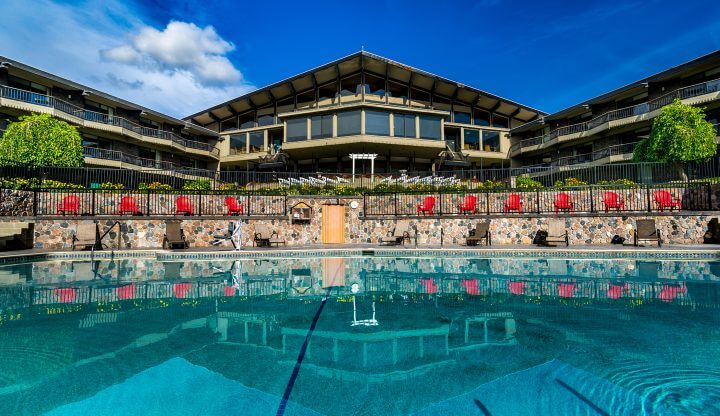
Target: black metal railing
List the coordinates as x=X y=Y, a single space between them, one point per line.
x=107 y=202
x=692 y=196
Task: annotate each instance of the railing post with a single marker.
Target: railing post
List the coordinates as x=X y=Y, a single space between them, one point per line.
x=709 y=197
x=592 y=199
x=537 y=200
x=647 y=195
x=92 y=194
x=487 y=202
x=441 y=202
x=200 y=201
x=395 y=213
x=149 y=196
x=35 y=202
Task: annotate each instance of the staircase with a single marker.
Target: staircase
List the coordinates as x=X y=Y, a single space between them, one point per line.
x=16 y=235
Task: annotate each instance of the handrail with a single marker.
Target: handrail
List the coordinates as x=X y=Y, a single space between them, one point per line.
x=613 y=150
x=94 y=116
x=634 y=110
x=108 y=230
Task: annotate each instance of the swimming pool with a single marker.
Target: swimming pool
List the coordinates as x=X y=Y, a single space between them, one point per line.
x=360 y=335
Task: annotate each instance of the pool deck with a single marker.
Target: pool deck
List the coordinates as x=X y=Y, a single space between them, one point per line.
x=699 y=252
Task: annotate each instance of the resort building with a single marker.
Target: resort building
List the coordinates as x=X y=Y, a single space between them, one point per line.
x=116 y=133
x=606 y=128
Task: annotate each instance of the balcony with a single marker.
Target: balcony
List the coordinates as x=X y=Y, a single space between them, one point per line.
x=607 y=152
x=95 y=117
x=642 y=109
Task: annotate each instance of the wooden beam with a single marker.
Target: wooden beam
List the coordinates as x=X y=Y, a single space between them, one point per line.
x=514 y=113
x=496 y=106
x=232 y=110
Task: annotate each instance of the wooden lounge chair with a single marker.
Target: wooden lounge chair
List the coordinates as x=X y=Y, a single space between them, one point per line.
x=86 y=236
x=645 y=230
x=665 y=200
x=481 y=232
x=399 y=234
x=557 y=233
x=174 y=235
x=265 y=238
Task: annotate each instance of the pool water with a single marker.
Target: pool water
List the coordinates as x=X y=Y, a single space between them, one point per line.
x=360 y=336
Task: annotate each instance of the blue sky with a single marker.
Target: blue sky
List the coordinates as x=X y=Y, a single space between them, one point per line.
x=182 y=56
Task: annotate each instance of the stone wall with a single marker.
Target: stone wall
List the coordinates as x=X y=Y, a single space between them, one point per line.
x=16 y=203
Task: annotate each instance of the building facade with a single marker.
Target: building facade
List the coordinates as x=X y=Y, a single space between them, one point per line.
x=362 y=103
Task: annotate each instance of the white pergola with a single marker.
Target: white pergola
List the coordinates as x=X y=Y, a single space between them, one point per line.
x=364 y=156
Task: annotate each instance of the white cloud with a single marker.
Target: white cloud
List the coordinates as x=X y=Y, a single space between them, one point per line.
x=179 y=70
x=180 y=46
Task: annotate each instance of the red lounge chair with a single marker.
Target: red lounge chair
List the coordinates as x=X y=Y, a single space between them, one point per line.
x=183 y=206
x=70 y=203
x=128 y=205
x=517 y=288
x=126 y=292
x=64 y=294
x=180 y=290
x=430 y=286
x=616 y=291
x=670 y=291
x=234 y=208
x=469 y=205
x=664 y=199
x=566 y=290
x=229 y=291
x=613 y=201
x=512 y=203
x=563 y=202
x=471 y=286
x=427 y=206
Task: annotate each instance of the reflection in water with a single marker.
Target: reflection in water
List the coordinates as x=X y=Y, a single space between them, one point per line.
x=396 y=336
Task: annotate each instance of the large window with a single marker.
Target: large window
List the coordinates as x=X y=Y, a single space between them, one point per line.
x=472 y=139
x=404 y=125
x=238 y=143
x=322 y=126
x=296 y=129
x=481 y=117
x=491 y=141
x=462 y=117
x=348 y=123
x=351 y=85
x=500 y=121
x=327 y=93
x=397 y=90
x=229 y=124
x=247 y=120
x=377 y=123
x=430 y=127
x=257 y=141
x=374 y=85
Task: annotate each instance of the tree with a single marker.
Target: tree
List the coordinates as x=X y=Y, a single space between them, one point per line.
x=680 y=134
x=41 y=140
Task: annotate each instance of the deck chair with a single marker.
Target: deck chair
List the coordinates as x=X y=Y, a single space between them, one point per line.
x=86 y=236
x=481 y=232
x=229 y=235
x=265 y=238
x=174 y=235
x=645 y=230
x=557 y=233
x=399 y=234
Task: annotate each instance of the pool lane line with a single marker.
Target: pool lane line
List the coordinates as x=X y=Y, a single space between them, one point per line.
x=301 y=357
x=582 y=397
x=482 y=407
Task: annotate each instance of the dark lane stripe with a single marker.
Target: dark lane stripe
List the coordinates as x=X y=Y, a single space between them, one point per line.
x=482 y=407
x=583 y=398
x=301 y=356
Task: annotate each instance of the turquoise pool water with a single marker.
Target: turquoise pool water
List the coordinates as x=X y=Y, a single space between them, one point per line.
x=360 y=336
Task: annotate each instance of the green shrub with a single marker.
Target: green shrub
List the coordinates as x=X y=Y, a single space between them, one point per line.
x=620 y=183
x=525 y=182
x=154 y=186
x=42 y=140
x=230 y=187
x=198 y=185
x=111 y=185
x=569 y=183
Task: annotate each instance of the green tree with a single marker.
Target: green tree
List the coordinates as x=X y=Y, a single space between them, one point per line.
x=680 y=134
x=41 y=140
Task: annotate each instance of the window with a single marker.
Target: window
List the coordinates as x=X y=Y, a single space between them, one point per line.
x=229 y=124
x=257 y=141
x=430 y=127
x=377 y=123
x=404 y=125
x=420 y=96
x=322 y=126
x=374 y=85
x=306 y=99
x=351 y=85
x=96 y=143
x=491 y=141
x=267 y=118
x=348 y=123
x=238 y=143
x=481 y=117
x=472 y=139
x=397 y=90
x=500 y=121
x=296 y=129
x=327 y=92
x=462 y=117
x=247 y=120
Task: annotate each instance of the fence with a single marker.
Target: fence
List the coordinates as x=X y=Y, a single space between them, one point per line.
x=646 y=173
x=98 y=202
x=588 y=199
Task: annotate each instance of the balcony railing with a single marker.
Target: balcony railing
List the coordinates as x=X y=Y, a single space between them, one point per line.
x=632 y=111
x=615 y=150
x=93 y=116
x=126 y=158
